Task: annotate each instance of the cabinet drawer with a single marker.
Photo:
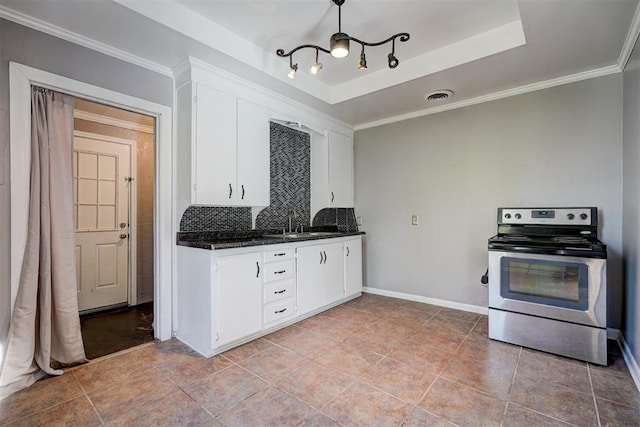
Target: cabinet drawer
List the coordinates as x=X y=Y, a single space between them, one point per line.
x=278 y=270
x=278 y=290
x=279 y=255
x=279 y=311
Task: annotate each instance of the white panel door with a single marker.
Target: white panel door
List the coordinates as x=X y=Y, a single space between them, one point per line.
x=353 y=266
x=215 y=153
x=340 y=171
x=309 y=278
x=101 y=202
x=333 y=272
x=239 y=296
x=253 y=154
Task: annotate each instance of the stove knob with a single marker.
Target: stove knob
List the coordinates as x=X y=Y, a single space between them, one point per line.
x=570 y=216
x=507 y=216
x=583 y=216
x=518 y=216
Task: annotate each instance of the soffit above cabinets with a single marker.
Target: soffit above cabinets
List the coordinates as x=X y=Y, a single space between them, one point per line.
x=474 y=47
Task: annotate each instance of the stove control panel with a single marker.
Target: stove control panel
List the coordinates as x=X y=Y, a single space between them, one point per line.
x=547 y=216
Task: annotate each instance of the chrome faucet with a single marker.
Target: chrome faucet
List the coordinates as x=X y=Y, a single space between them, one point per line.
x=292 y=214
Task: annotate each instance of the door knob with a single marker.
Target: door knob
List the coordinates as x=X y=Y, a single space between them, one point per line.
x=124 y=235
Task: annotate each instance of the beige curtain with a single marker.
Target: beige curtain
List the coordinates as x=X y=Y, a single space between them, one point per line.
x=45 y=325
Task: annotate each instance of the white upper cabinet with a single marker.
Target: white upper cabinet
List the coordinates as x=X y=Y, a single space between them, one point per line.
x=340 y=170
x=331 y=171
x=214 y=147
x=229 y=148
x=253 y=154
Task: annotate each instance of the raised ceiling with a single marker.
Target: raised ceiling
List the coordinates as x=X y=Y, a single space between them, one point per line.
x=476 y=48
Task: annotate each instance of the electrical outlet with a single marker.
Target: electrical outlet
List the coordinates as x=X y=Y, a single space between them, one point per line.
x=414 y=219
x=358 y=220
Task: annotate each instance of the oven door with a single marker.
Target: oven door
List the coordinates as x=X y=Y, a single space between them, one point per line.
x=572 y=289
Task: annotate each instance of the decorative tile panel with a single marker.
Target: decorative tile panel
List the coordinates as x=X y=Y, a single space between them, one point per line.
x=209 y=218
x=290 y=179
x=343 y=218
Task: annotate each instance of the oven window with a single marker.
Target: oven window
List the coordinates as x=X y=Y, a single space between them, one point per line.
x=561 y=284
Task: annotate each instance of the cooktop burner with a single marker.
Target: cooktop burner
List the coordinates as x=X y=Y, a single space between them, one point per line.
x=561 y=231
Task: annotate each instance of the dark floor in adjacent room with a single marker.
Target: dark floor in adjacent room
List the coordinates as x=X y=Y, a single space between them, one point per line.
x=118 y=329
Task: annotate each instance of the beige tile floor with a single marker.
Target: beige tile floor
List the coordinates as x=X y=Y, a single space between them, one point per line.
x=374 y=361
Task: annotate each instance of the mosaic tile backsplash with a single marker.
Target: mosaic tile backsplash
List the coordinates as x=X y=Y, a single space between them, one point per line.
x=290 y=179
x=290 y=189
x=344 y=218
x=209 y=218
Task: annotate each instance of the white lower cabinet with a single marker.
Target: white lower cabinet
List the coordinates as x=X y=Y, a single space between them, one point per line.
x=353 y=266
x=279 y=287
x=320 y=276
x=228 y=297
x=239 y=291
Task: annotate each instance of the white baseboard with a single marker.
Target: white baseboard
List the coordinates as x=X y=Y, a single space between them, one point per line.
x=631 y=362
x=440 y=302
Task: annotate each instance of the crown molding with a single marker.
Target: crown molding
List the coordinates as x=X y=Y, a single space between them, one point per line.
x=572 y=78
x=61 y=33
x=111 y=121
x=630 y=40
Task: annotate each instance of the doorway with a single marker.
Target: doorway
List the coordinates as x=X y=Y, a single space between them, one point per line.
x=21 y=79
x=114 y=182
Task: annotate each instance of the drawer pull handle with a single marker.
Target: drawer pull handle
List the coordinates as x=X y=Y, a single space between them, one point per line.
x=280 y=254
x=258 y=265
x=280 y=272
x=230 y=190
x=347 y=250
x=242 y=191
x=280 y=292
x=280 y=311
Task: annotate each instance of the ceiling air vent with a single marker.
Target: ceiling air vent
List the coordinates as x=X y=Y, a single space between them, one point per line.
x=439 y=95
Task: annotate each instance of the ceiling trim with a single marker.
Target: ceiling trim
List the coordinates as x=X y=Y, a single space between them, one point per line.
x=61 y=33
x=572 y=78
x=630 y=40
x=478 y=46
x=185 y=21
x=112 y=121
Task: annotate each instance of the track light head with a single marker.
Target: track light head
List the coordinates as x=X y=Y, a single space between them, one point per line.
x=293 y=71
x=393 y=61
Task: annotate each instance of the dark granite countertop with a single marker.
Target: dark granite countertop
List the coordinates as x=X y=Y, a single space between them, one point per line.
x=246 y=238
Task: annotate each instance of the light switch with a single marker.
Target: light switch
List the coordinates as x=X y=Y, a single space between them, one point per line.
x=414 y=219
x=358 y=220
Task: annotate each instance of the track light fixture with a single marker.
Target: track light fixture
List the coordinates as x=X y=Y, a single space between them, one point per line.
x=339 y=48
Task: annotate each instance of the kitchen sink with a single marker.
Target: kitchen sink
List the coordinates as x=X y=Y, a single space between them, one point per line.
x=294 y=235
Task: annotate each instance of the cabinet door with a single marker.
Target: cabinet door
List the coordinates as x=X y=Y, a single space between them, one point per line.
x=214 y=154
x=253 y=154
x=333 y=272
x=309 y=278
x=340 y=171
x=353 y=266
x=239 y=301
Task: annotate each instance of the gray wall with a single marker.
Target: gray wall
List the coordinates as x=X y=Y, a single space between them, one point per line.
x=556 y=147
x=631 y=205
x=38 y=50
